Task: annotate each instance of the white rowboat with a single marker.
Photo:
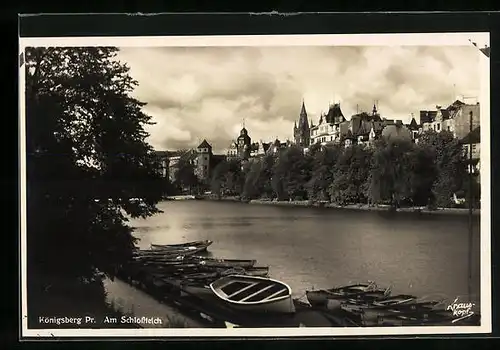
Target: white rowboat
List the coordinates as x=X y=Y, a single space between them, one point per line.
x=254 y=294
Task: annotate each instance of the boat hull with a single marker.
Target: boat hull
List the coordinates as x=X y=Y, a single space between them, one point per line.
x=253 y=294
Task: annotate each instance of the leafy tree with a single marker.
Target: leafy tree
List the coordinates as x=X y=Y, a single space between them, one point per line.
x=350 y=175
x=228 y=178
x=389 y=177
x=450 y=162
x=88 y=163
x=185 y=175
x=290 y=174
x=258 y=179
x=323 y=161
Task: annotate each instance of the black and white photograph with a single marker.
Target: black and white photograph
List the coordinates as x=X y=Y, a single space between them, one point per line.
x=220 y=186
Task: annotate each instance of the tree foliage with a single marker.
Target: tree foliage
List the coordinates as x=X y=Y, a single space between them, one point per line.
x=350 y=173
x=323 y=164
x=450 y=162
x=396 y=172
x=291 y=172
x=228 y=178
x=88 y=162
x=185 y=172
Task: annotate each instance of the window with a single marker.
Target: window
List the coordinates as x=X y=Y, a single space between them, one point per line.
x=204 y=167
x=448 y=128
x=438 y=127
x=206 y=158
x=474 y=147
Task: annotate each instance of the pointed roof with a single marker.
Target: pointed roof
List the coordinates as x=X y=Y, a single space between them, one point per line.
x=303 y=109
x=413 y=124
x=335 y=115
x=204 y=144
x=303 y=122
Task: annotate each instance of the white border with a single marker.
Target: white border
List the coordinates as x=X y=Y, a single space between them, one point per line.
x=433 y=39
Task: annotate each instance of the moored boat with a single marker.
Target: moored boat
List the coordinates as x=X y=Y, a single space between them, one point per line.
x=198 y=244
x=365 y=291
x=254 y=294
x=214 y=262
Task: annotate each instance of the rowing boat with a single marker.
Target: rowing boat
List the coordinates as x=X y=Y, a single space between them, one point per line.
x=197 y=244
x=365 y=291
x=214 y=262
x=254 y=294
x=172 y=253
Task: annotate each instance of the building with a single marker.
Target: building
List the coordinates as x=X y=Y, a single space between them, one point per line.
x=244 y=143
x=330 y=126
x=203 y=161
x=232 y=151
x=362 y=128
x=473 y=139
x=301 y=132
x=454 y=118
x=259 y=149
x=162 y=158
x=415 y=129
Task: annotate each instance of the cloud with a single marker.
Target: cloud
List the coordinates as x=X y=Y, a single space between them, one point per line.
x=196 y=93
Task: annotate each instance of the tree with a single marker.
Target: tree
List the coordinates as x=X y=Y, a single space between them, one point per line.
x=88 y=162
x=389 y=178
x=450 y=162
x=323 y=164
x=350 y=175
x=228 y=178
x=258 y=179
x=185 y=176
x=291 y=172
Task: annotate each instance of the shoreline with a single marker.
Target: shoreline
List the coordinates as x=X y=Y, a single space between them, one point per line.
x=361 y=207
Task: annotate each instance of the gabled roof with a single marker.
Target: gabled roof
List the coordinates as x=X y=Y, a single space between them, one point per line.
x=334 y=115
x=204 y=144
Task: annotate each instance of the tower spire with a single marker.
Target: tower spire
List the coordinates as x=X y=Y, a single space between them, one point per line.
x=303 y=109
x=243 y=124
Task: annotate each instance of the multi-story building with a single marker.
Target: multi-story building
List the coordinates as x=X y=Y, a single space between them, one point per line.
x=454 y=118
x=330 y=126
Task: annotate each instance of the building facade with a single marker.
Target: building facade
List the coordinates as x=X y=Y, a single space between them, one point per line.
x=454 y=118
x=203 y=161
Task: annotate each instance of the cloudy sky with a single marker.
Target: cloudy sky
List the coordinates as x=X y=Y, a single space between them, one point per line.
x=206 y=92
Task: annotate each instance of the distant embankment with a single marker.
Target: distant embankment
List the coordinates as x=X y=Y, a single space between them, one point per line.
x=423 y=210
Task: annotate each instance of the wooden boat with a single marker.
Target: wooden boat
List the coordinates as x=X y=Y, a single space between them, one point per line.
x=214 y=262
x=254 y=294
x=365 y=291
x=197 y=244
x=171 y=253
x=355 y=305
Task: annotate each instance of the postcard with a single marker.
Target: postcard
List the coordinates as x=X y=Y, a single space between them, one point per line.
x=255 y=186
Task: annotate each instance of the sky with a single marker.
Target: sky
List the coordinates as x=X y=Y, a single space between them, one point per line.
x=196 y=93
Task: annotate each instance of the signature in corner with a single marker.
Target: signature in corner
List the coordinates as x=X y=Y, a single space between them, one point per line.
x=460 y=310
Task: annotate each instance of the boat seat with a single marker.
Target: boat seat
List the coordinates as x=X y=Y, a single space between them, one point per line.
x=275 y=294
x=241 y=290
x=257 y=292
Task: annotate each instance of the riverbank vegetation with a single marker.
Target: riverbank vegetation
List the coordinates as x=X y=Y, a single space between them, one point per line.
x=87 y=165
x=392 y=172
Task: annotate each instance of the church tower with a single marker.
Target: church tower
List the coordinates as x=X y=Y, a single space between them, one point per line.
x=243 y=144
x=301 y=132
